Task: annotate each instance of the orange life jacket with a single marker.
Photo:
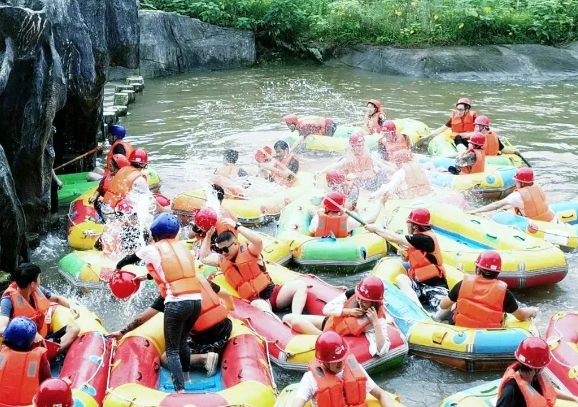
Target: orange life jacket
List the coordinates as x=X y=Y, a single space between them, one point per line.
x=282 y=165
x=531 y=395
x=22 y=308
x=350 y=325
x=311 y=125
x=121 y=185
x=334 y=392
x=463 y=124
x=212 y=311
x=362 y=167
x=416 y=181
x=480 y=302
x=107 y=182
x=492 y=146
x=127 y=148
x=179 y=274
x=480 y=164
x=245 y=274
x=332 y=224
x=420 y=268
x=391 y=147
x=19 y=376
x=535 y=204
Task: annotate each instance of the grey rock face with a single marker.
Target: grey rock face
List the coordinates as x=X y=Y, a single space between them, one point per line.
x=491 y=63
x=172 y=44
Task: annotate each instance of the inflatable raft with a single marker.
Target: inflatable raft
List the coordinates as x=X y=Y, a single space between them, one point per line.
x=526 y=261
x=564 y=233
x=287 y=397
x=496 y=182
x=84 y=269
x=562 y=336
x=485 y=395
x=136 y=378
x=250 y=212
x=84 y=225
x=466 y=349
x=293 y=351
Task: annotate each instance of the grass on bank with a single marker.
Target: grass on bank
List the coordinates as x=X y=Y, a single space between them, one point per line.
x=404 y=23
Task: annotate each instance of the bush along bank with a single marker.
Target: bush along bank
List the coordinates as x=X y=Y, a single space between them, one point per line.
x=401 y=23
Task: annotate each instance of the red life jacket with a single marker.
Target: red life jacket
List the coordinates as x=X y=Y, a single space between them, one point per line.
x=245 y=274
x=19 y=376
x=531 y=395
x=350 y=325
x=22 y=308
x=480 y=302
x=212 y=311
x=333 y=392
x=420 y=268
x=332 y=224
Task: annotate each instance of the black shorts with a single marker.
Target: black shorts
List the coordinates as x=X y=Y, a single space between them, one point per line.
x=214 y=339
x=57 y=336
x=430 y=295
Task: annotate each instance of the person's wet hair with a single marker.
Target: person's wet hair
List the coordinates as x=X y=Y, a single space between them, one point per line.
x=231 y=156
x=25 y=274
x=220 y=192
x=281 y=145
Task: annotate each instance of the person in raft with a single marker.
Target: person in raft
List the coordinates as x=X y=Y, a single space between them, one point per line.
x=482 y=300
x=374 y=116
x=22 y=365
x=391 y=141
x=209 y=335
x=117 y=162
x=493 y=144
x=335 y=378
x=524 y=383
x=461 y=123
x=473 y=160
x=528 y=199
x=245 y=270
x=356 y=312
x=116 y=136
x=25 y=297
x=337 y=181
x=425 y=280
x=230 y=176
x=307 y=125
x=282 y=168
x=54 y=393
x=172 y=266
x=333 y=221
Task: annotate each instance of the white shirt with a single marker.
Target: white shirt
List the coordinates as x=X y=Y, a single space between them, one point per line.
x=308 y=386
x=351 y=224
x=150 y=255
x=515 y=200
x=335 y=307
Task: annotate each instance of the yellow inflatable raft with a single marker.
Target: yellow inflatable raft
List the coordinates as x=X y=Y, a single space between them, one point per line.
x=255 y=211
x=461 y=348
x=244 y=379
x=526 y=261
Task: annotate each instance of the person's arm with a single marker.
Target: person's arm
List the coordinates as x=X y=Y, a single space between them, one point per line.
x=490 y=207
x=378 y=340
x=382 y=397
x=335 y=306
x=223 y=295
x=523 y=314
x=255 y=241
x=389 y=236
x=452 y=297
x=563 y=395
x=334 y=166
x=5 y=311
x=60 y=300
x=305 y=390
x=509 y=395
x=206 y=257
x=135 y=323
x=57 y=180
x=129 y=259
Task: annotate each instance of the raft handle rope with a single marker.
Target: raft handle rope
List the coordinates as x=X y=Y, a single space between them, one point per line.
x=100 y=362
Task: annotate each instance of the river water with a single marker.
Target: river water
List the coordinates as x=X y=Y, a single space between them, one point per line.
x=186 y=122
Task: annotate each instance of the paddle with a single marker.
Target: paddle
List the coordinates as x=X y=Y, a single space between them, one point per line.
x=523 y=159
x=94 y=150
x=347 y=211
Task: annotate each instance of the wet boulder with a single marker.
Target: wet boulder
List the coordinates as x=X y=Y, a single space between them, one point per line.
x=171 y=44
x=530 y=62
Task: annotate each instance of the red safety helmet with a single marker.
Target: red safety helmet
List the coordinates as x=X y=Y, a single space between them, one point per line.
x=533 y=352
x=120 y=161
x=402 y=156
x=388 y=126
x=124 y=206
x=139 y=156
x=123 y=285
x=333 y=201
x=375 y=103
x=206 y=218
x=356 y=138
x=524 y=175
x=419 y=216
x=330 y=347
x=264 y=154
x=371 y=288
x=482 y=121
x=464 y=101
x=478 y=139
x=53 y=393
x=334 y=177
x=162 y=200
x=291 y=119
x=490 y=260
